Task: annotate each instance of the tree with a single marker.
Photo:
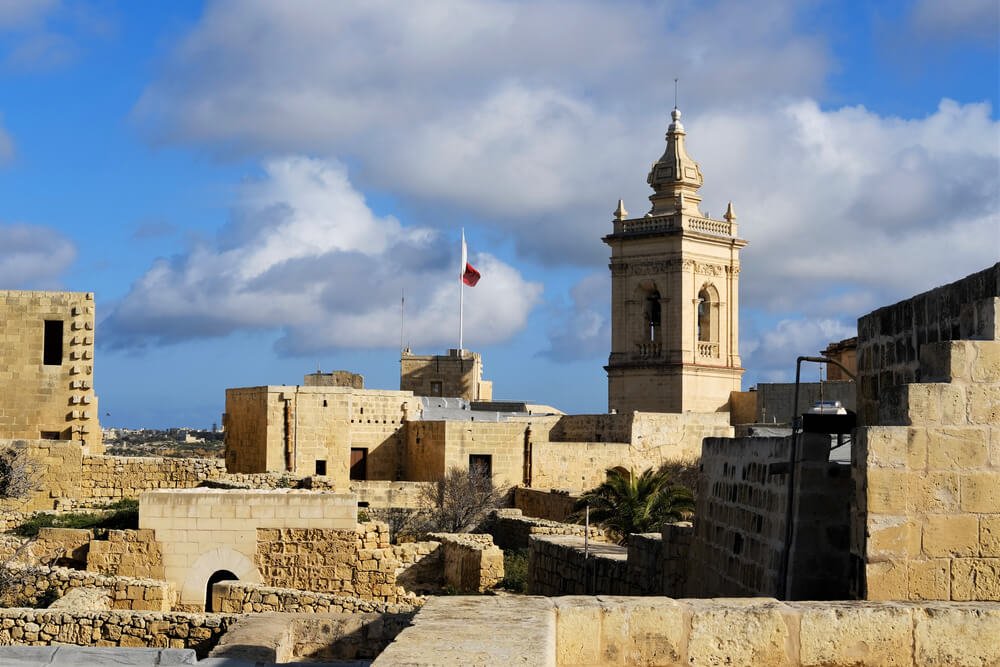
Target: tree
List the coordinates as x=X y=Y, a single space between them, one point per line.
x=18 y=473
x=462 y=500
x=626 y=503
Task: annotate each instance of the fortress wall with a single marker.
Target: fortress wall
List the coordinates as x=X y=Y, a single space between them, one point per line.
x=890 y=338
x=115 y=477
x=927 y=511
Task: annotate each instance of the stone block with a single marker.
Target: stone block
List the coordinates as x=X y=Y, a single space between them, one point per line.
x=989 y=536
x=888 y=490
x=894 y=447
x=980 y=492
x=578 y=635
x=853 y=634
x=892 y=538
x=975 y=579
x=929 y=579
x=887 y=580
x=957 y=448
x=951 y=535
x=753 y=631
x=935 y=493
x=949 y=635
x=984 y=404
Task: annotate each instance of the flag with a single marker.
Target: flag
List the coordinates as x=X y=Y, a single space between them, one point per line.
x=470 y=276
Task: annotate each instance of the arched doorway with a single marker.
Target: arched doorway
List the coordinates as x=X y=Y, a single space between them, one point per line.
x=217 y=576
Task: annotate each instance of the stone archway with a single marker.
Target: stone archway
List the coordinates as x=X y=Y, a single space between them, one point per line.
x=208 y=565
x=221 y=575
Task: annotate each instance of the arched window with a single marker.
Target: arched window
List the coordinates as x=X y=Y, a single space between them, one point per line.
x=653 y=319
x=708 y=321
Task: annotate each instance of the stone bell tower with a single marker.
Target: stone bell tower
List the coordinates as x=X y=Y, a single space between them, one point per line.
x=674 y=296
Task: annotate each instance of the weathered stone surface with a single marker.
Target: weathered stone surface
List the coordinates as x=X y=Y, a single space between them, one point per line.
x=849 y=634
x=949 y=635
x=751 y=631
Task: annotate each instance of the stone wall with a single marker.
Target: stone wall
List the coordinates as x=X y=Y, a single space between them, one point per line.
x=927 y=515
x=677 y=538
x=890 y=338
x=357 y=562
x=34 y=627
x=56 y=467
x=32 y=583
x=471 y=563
x=48 y=397
x=659 y=631
x=457 y=374
x=113 y=477
x=561 y=565
x=127 y=553
x=551 y=505
x=230 y=597
x=510 y=529
x=383 y=494
x=739 y=526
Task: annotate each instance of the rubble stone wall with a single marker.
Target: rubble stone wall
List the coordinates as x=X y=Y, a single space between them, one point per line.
x=243 y=598
x=472 y=563
x=510 y=529
x=37 y=627
x=33 y=583
x=560 y=565
x=127 y=553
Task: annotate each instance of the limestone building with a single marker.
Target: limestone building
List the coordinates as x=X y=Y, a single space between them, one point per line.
x=456 y=374
x=47 y=368
x=674 y=296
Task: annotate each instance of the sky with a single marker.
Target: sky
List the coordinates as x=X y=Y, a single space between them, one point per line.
x=249 y=187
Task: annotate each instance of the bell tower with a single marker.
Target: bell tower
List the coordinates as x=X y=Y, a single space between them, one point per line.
x=674 y=295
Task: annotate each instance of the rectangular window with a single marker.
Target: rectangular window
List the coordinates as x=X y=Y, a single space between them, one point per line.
x=51 y=435
x=437 y=388
x=359 y=463
x=52 y=346
x=481 y=464
x=321 y=467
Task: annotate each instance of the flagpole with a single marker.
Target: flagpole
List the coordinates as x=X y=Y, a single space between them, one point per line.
x=461 y=296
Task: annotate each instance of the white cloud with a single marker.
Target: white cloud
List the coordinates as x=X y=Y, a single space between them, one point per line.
x=21 y=14
x=534 y=118
x=304 y=254
x=33 y=256
x=772 y=353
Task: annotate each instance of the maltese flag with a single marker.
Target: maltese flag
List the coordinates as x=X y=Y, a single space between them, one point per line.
x=470 y=276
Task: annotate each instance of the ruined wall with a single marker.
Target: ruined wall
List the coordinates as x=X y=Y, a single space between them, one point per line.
x=927 y=514
x=560 y=565
x=29 y=584
x=511 y=530
x=352 y=562
x=294 y=428
x=890 y=338
x=46 y=385
x=127 y=553
x=114 y=477
x=57 y=467
x=35 y=627
x=231 y=597
x=471 y=563
x=739 y=526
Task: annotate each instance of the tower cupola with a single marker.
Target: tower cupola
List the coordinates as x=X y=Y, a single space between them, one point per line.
x=675 y=177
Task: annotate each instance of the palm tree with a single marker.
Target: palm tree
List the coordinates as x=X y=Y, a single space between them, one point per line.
x=627 y=503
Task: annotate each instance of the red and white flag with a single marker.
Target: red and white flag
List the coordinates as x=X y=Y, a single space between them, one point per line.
x=469 y=275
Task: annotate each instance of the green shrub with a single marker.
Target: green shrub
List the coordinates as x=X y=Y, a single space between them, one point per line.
x=121 y=515
x=515 y=570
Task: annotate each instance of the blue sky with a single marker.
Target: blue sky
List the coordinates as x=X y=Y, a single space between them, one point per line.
x=247 y=185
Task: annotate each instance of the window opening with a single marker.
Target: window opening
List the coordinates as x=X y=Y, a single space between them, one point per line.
x=481 y=464
x=52 y=347
x=220 y=575
x=321 y=467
